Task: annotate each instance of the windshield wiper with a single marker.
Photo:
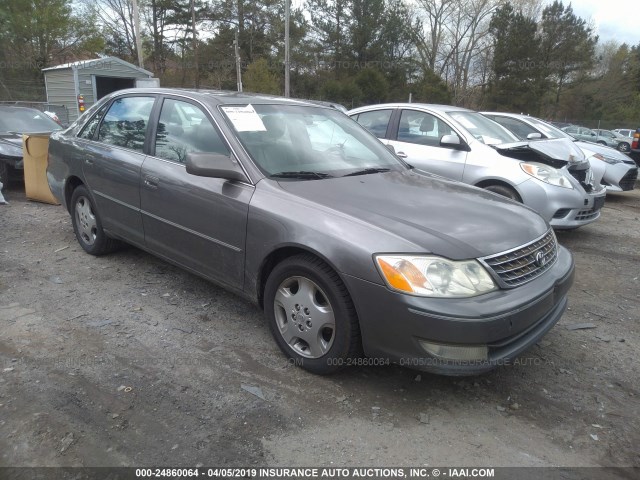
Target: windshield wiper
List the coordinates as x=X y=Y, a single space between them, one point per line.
x=367 y=171
x=301 y=174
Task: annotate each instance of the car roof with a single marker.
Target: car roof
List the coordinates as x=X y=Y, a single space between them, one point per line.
x=431 y=106
x=10 y=108
x=220 y=97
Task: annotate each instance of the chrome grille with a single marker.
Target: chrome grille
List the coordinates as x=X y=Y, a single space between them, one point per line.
x=523 y=264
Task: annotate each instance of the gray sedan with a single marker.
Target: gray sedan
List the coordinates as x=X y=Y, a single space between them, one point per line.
x=552 y=177
x=300 y=210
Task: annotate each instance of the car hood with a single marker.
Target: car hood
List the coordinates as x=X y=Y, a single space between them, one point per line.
x=439 y=216
x=591 y=148
x=556 y=152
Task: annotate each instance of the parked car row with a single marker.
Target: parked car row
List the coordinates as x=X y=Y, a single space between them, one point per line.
x=620 y=171
x=555 y=176
x=619 y=139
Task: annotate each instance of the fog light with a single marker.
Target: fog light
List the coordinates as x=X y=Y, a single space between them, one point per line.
x=456 y=352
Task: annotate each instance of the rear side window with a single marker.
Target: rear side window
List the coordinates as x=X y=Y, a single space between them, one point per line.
x=184 y=128
x=376 y=121
x=89 y=130
x=125 y=124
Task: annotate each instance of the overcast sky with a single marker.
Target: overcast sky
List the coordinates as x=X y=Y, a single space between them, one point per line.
x=614 y=19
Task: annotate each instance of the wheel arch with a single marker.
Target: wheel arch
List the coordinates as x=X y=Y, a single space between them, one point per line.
x=280 y=254
x=70 y=185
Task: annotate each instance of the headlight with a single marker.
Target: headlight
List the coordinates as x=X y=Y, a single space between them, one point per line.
x=546 y=174
x=431 y=276
x=8 y=150
x=609 y=160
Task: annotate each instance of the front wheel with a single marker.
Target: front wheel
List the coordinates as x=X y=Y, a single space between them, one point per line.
x=87 y=224
x=624 y=147
x=311 y=315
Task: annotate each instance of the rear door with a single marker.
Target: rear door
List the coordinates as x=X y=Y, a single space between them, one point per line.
x=112 y=156
x=416 y=138
x=197 y=222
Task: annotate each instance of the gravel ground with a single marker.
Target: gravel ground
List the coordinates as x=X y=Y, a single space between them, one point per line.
x=125 y=360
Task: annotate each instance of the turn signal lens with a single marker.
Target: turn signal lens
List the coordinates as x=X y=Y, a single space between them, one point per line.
x=431 y=276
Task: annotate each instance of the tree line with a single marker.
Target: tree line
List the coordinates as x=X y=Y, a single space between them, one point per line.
x=529 y=56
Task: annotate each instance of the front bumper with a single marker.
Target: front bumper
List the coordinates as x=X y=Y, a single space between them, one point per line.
x=507 y=321
x=563 y=208
x=620 y=177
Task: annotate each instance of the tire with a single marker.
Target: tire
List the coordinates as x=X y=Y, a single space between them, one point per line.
x=624 y=147
x=4 y=173
x=504 y=191
x=87 y=224
x=302 y=291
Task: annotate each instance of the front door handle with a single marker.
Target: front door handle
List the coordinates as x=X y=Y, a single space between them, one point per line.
x=88 y=161
x=151 y=182
x=401 y=154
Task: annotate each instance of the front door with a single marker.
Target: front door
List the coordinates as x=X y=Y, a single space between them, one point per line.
x=198 y=222
x=417 y=141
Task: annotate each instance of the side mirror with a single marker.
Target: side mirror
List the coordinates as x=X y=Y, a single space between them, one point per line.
x=390 y=148
x=593 y=134
x=534 y=136
x=214 y=165
x=453 y=141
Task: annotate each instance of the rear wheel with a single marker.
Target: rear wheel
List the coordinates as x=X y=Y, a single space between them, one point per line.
x=311 y=315
x=504 y=191
x=87 y=224
x=624 y=147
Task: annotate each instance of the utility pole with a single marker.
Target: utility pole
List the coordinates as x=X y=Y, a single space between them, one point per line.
x=195 y=43
x=136 y=31
x=286 y=49
x=238 y=67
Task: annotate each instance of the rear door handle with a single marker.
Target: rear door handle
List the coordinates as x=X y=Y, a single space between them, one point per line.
x=401 y=154
x=151 y=182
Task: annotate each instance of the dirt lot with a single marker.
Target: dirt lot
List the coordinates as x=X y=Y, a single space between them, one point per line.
x=126 y=360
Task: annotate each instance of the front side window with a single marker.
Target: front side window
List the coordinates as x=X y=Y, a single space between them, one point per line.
x=184 y=128
x=421 y=128
x=302 y=140
x=125 y=124
x=376 y=121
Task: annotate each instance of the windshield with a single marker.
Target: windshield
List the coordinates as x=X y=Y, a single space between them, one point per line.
x=482 y=128
x=290 y=141
x=24 y=120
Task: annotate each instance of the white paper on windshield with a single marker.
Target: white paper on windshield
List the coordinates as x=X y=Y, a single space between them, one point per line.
x=245 y=119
